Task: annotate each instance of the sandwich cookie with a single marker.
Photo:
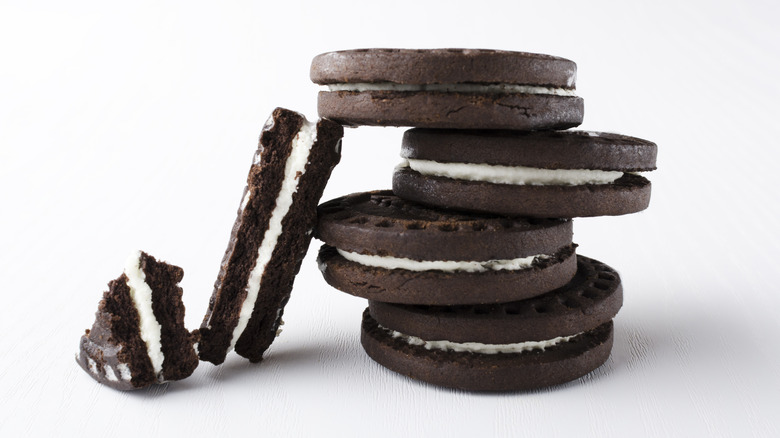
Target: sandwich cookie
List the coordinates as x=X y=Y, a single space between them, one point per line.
x=138 y=338
x=531 y=174
x=383 y=248
x=542 y=341
x=270 y=236
x=448 y=88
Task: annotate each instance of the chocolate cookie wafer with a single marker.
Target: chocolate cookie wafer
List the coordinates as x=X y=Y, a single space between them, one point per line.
x=138 y=338
x=546 y=340
x=270 y=236
x=448 y=88
x=383 y=248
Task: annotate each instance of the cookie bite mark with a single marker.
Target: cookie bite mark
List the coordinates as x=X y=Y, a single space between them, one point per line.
x=269 y=238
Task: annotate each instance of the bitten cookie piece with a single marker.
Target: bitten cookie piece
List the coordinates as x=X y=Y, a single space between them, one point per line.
x=138 y=338
x=530 y=174
x=383 y=248
x=270 y=236
x=521 y=345
x=448 y=88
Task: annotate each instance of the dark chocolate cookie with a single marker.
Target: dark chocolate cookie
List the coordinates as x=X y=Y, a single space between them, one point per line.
x=590 y=299
x=530 y=174
x=448 y=88
x=383 y=248
x=138 y=338
x=270 y=236
x=536 y=368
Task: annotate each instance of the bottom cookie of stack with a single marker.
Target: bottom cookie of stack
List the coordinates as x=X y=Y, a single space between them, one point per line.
x=543 y=341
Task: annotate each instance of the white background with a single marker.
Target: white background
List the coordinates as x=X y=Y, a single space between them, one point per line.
x=131 y=125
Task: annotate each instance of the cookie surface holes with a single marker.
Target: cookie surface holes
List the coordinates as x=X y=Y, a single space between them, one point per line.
x=606 y=276
x=415 y=226
x=590 y=294
x=512 y=310
x=359 y=220
x=480 y=310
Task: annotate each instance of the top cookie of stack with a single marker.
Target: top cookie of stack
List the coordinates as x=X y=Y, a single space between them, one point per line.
x=448 y=88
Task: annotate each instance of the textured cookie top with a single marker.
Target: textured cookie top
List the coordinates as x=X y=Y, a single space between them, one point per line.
x=380 y=223
x=590 y=299
x=443 y=66
x=539 y=149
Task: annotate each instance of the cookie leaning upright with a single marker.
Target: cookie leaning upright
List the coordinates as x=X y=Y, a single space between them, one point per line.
x=270 y=236
x=448 y=88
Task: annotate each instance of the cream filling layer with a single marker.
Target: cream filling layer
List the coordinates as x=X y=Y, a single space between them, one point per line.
x=124 y=371
x=110 y=375
x=476 y=347
x=387 y=262
x=517 y=175
x=454 y=88
x=294 y=168
x=141 y=294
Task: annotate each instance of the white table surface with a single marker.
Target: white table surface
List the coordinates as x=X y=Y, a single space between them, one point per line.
x=131 y=126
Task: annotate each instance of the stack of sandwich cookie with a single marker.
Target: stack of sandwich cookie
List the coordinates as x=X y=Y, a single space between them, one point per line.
x=468 y=265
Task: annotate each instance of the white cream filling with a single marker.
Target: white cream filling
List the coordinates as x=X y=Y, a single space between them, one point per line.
x=517 y=175
x=124 y=371
x=141 y=293
x=476 y=347
x=454 y=88
x=293 y=169
x=387 y=262
x=110 y=373
x=92 y=365
x=245 y=200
